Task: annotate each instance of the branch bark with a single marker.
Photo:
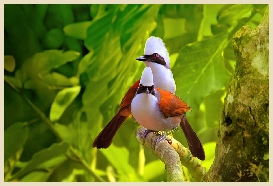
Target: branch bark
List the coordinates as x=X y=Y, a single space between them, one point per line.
x=242 y=148
x=173 y=156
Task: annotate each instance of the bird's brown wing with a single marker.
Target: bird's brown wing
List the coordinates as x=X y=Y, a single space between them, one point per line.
x=171 y=105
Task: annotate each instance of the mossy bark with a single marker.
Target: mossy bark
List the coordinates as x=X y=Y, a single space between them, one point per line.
x=242 y=151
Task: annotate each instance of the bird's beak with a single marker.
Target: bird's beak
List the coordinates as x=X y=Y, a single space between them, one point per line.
x=147 y=91
x=141 y=58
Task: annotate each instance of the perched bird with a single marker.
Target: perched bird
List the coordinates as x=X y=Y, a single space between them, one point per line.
x=160 y=110
x=157 y=58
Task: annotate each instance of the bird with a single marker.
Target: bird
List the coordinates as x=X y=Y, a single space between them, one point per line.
x=156 y=57
x=160 y=110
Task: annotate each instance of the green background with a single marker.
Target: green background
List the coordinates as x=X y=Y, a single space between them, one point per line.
x=67 y=67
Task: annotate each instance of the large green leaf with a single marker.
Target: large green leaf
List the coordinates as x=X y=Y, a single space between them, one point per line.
x=119 y=159
x=44 y=62
x=200 y=70
x=45 y=159
x=36 y=176
x=14 y=139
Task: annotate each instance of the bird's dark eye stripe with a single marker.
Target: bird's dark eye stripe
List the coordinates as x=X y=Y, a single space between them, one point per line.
x=142 y=89
x=156 y=58
x=151 y=88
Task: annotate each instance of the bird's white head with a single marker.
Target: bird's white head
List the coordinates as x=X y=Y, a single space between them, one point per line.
x=155 y=51
x=147 y=77
x=156 y=45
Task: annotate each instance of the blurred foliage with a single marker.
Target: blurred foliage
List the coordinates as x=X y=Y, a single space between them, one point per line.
x=67 y=68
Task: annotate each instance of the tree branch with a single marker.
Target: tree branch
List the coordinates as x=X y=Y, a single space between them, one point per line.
x=172 y=156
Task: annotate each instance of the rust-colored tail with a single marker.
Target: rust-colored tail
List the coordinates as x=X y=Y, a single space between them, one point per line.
x=194 y=143
x=105 y=137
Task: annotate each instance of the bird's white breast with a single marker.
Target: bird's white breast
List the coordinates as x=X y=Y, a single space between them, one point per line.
x=146 y=112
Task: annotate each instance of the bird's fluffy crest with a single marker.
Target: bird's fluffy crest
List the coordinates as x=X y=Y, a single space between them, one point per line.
x=147 y=77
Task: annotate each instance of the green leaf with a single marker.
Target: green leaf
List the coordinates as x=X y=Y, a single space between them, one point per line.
x=21 y=39
x=46 y=158
x=12 y=81
x=200 y=70
x=95 y=94
x=119 y=159
x=209 y=149
x=153 y=170
x=209 y=19
x=54 y=38
x=169 y=24
x=73 y=176
x=57 y=79
x=36 y=176
x=69 y=133
x=14 y=139
x=62 y=100
x=213 y=103
x=99 y=28
x=44 y=62
x=77 y=30
x=21 y=75
x=230 y=14
x=9 y=63
x=189 y=27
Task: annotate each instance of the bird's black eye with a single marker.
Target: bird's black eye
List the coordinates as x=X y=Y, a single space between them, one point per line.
x=155 y=55
x=150 y=88
x=156 y=58
x=144 y=88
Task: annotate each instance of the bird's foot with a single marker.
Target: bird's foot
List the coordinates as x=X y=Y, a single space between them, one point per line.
x=163 y=135
x=146 y=132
